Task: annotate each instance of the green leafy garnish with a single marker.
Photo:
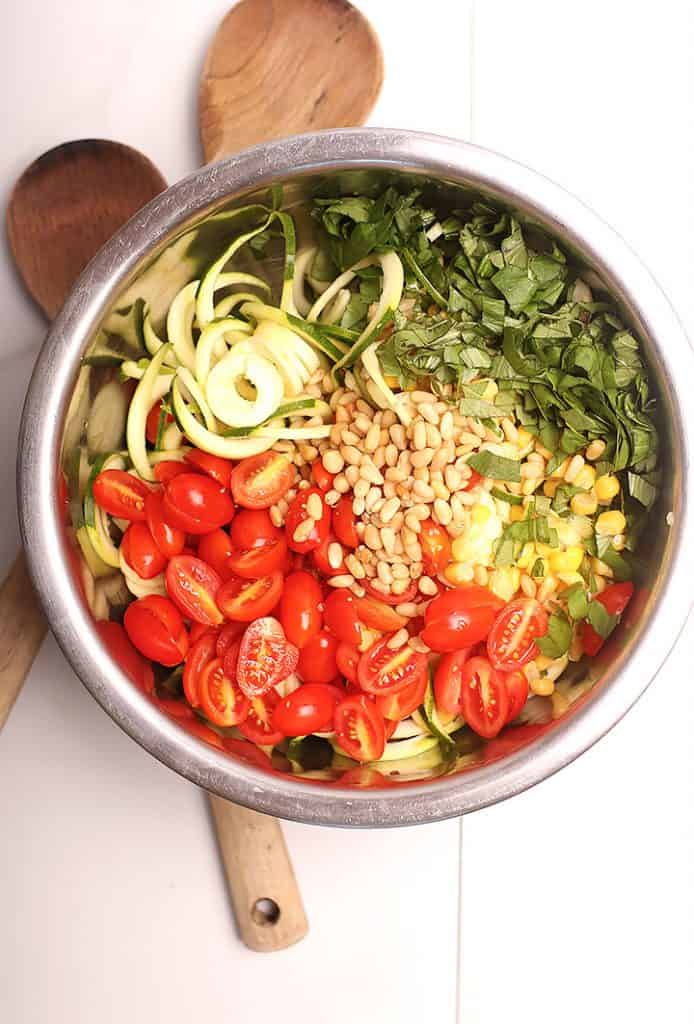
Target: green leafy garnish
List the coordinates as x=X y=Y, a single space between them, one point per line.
x=557 y=640
x=576 y=601
x=512 y=499
x=600 y=619
x=496 y=467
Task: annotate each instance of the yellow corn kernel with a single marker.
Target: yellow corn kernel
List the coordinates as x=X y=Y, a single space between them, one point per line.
x=544 y=550
x=566 y=561
x=517 y=513
x=585 y=477
x=606 y=488
x=550 y=486
x=542 y=687
x=524 y=438
x=527 y=556
x=505 y=582
x=458 y=548
x=584 y=504
x=609 y=524
x=567 y=579
x=479 y=514
x=458 y=574
x=567 y=533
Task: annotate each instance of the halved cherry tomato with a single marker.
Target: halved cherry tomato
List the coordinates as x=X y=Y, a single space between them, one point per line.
x=319 y=557
x=247 y=752
x=192 y=585
x=347 y=658
x=258 y=725
x=203 y=651
x=228 y=635
x=231 y=658
x=259 y=561
x=307 y=709
x=378 y=615
x=345 y=523
x=301 y=608
x=155 y=627
x=396 y=706
x=152 y=424
x=392 y=599
x=252 y=527
x=219 y=469
x=341 y=617
x=121 y=649
x=448 y=682
x=140 y=551
x=460 y=618
x=472 y=480
x=262 y=480
x=511 y=642
x=121 y=494
x=485 y=698
x=436 y=546
x=215 y=549
x=245 y=600
x=220 y=698
x=266 y=657
x=614 y=599
x=321 y=477
x=298 y=514
x=204 y=733
x=198 y=629
x=317 y=659
x=168 y=539
x=384 y=670
x=517 y=687
x=197 y=504
x=360 y=729
x=165 y=471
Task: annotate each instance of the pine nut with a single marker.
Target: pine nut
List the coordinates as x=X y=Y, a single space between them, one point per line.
x=417 y=644
x=388 y=539
x=532 y=471
x=276 y=517
x=361 y=488
x=574 y=468
x=314 y=507
x=419 y=436
x=368 y=471
x=372 y=498
x=530 y=485
x=341 y=582
x=359 y=506
x=414 y=552
x=355 y=567
x=547 y=587
x=389 y=489
x=510 y=430
x=389 y=509
x=350 y=454
x=408 y=609
x=341 y=484
x=453 y=478
x=446 y=426
x=420 y=396
x=399 y=586
x=595 y=449
x=440 y=490
x=427 y=586
x=536 y=457
x=391 y=455
x=400 y=571
x=384 y=573
x=372 y=438
x=416 y=570
x=362 y=423
x=442 y=512
x=303 y=530
x=433 y=436
x=423 y=491
x=422 y=458
x=398 y=639
x=352 y=474
x=379 y=458
x=412 y=523
x=398 y=436
x=427 y=411
x=372 y=538
x=335 y=555
x=333 y=461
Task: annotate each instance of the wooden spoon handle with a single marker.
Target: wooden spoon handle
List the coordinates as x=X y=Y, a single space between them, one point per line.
x=264 y=892
x=22 y=629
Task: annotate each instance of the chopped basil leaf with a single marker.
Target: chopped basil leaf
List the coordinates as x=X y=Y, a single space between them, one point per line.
x=600 y=619
x=479 y=408
x=512 y=499
x=641 y=489
x=557 y=639
x=496 y=467
x=577 y=601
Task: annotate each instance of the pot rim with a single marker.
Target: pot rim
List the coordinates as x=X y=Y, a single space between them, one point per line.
x=41 y=434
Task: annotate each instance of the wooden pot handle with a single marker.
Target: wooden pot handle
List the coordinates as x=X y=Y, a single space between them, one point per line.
x=22 y=629
x=264 y=892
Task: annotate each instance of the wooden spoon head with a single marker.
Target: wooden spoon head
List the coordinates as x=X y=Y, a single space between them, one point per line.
x=282 y=67
x=67 y=204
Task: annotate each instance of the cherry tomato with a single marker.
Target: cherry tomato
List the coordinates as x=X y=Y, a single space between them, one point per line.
x=392 y=599
x=165 y=471
x=511 y=642
x=266 y=657
x=472 y=480
x=231 y=659
x=320 y=559
x=219 y=469
x=347 y=658
x=301 y=608
x=152 y=424
x=141 y=552
x=260 y=560
x=221 y=700
x=321 y=477
x=121 y=494
x=517 y=687
x=436 y=546
x=168 y=539
x=460 y=618
x=341 y=617
x=215 y=549
x=485 y=698
x=378 y=615
x=245 y=600
x=202 y=652
x=252 y=527
x=317 y=659
x=197 y=504
x=258 y=726
x=614 y=599
x=204 y=733
x=360 y=729
x=307 y=709
x=198 y=629
x=448 y=682
x=247 y=752
x=396 y=706
x=298 y=515
x=345 y=523
x=119 y=646
x=155 y=627
x=227 y=636
x=383 y=670
x=262 y=480
x=363 y=778
x=192 y=585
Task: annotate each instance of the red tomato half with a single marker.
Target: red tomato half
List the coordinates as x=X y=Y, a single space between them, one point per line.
x=614 y=599
x=341 y=617
x=511 y=642
x=345 y=523
x=436 y=546
x=383 y=670
x=392 y=599
x=219 y=469
x=262 y=480
x=215 y=549
x=121 y=494
x=485 y=698
x=168 y=539
x=203 y=651
x=396 y=706
x=347 y=658
x=165 y=471
x=359 y=728
x=196 y=503
x=251 y=527
x=152 y=424
x=448 y=682
x=155 y=627
x=301 y=608
x=192 y=585
x=307 y=709
x=266 y=657
x=472 y=480
x=119 y=646
x=260 y=560
x=298 y=515
x=228 y=635
x=318 y=659
x=221 y=700
x=258 y=726
x=460 y=618
x=517 y=687
x=378 y=615
x=141 y=552
x=321 y=477
x=245 y=600
x=319 y=557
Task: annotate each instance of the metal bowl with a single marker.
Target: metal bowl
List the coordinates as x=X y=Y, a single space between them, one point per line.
x=158 y=251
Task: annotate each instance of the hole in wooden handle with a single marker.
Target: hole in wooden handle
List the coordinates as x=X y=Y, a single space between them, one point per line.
x=265 y=911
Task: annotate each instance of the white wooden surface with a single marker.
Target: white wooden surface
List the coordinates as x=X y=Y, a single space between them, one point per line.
x=577 y=898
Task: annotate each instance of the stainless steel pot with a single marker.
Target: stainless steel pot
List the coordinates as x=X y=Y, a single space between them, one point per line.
x=158 y=251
